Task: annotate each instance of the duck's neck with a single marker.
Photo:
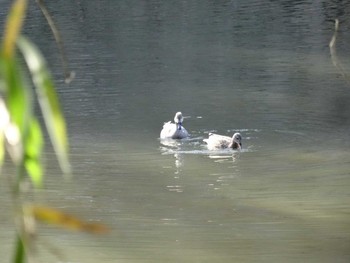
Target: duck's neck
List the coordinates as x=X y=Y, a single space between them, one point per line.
x=234 y=145
x=178 y=126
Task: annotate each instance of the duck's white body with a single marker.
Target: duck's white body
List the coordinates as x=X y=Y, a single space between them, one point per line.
x=174 y=130
x=217 y=142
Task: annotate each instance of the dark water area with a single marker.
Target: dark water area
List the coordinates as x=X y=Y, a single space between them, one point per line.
x=262 y=68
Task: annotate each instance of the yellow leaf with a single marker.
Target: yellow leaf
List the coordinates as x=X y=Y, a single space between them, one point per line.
x=52 y=216
x=13 y=26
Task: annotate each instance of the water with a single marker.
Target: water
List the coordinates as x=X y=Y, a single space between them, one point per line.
x=262 y=69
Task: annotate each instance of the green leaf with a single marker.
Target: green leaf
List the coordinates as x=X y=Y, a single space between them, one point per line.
x=34 y=140
x=34 y=170
x=18 y=96
x=19 y=252
x=33 y=149
x=2 y=149
x=48 y=100
x=4 y=121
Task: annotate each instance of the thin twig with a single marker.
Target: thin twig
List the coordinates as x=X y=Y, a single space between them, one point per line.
x=336 y=62
x=69 y=75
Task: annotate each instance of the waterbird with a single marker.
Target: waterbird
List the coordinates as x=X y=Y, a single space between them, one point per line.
x=216 y=141
x=174 y=130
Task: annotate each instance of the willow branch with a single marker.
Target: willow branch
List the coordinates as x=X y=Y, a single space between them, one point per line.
x=69 y=75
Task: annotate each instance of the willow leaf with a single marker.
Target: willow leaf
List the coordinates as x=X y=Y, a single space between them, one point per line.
x=19 y=256
x=56 y=217
x=13 y=27
x=34 y=170
x=48 y=100
x=4 y=121
x=33 y=149
x=2 y=149
x=34 y=140
x=18 y=95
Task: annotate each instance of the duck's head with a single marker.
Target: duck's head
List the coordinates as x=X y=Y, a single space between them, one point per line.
x=236 y=142
x=178 y=119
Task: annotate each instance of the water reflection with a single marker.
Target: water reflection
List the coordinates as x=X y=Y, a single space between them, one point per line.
x=174 y=147
x=224 y=157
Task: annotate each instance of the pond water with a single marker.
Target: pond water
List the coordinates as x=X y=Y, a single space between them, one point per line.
x=262 y=68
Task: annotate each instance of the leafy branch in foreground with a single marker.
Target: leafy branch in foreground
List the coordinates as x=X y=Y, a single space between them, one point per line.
x=21 y=133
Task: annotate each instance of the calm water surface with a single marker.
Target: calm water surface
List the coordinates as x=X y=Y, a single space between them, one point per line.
x=261 y=68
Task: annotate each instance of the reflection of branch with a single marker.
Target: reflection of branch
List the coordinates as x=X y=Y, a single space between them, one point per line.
x=67 y=74
x=334 y=57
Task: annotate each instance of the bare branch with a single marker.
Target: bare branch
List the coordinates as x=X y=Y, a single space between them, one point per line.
x=332 y=47
x=69 y=75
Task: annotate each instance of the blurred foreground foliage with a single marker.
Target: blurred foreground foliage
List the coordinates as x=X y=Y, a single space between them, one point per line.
x=21 y=135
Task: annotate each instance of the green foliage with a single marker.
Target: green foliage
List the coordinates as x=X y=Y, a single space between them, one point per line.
x=33 y=148
x=2 y=150
x=48 y=100
x=18 y=98
x=19 y=253
x=19 y=105
x=20 y=132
